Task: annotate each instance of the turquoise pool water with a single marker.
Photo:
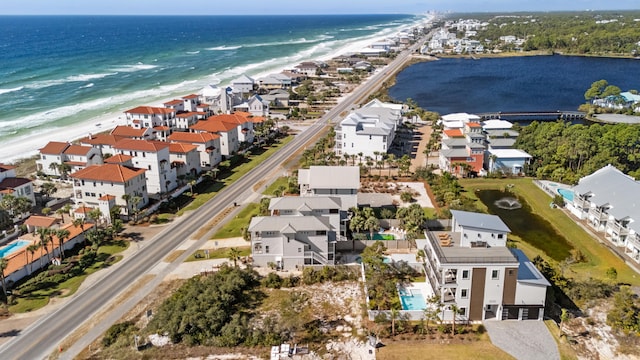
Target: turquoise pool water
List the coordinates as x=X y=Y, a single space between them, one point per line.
x=382 y=237
x=412 y=300
x=567 y=194
x=13 y=247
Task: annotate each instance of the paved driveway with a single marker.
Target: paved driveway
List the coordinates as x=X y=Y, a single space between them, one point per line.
x=524 y=340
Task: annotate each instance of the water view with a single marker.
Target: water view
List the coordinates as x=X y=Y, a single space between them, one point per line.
x=531 y=83
x=530 y=227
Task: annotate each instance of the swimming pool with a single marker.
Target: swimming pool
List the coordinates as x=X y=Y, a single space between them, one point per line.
x=567 y=194
x=13 y=247
x=412 y=299
x=382 y=237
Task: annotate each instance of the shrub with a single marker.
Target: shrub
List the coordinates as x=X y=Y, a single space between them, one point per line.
x=273 y=281
x=117 y=330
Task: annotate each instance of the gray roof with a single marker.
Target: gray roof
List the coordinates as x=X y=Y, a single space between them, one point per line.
x=611 y=186
x=479 y=220
x=302 y=203
x=502 y=142
x=289 y=224
x=455 y=142
x=449 y=153
x=374 y=199
x=330 y=177
x=527 y=272
x=476 y=146
x=501 y=133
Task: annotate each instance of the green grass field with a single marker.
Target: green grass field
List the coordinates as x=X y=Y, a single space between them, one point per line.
x=219 y=253
x=599 y=257
x=233 y=227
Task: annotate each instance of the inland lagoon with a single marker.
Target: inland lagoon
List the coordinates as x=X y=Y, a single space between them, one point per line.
x=530 y=227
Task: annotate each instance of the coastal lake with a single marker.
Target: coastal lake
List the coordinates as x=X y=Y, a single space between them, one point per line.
x=522 y=83
x=530 y=227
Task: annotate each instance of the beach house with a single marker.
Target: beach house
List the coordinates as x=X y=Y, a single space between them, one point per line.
x=220 y=100
x=608 y=200
x=228 y=132
x=150 y=117
x=91 y=184
x=462 y=147
x=154 y=157
x=243 y=84
x=508 y=161
x=58 y=158
x=10 y=184
x=255 y=105
x=300 y=231
x=368 y=130
x=472 y=267
x=342 y=182
x=103 y=142
x=185 y=158
x=133 y=133
x=274 y=81
x=208 y=146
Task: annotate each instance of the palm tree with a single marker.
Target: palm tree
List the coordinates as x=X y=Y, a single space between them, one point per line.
x=60 y=212
x=234 y=255
x=134 y=202
x=391 y=160
x=360 y=154
x=62 y=234
x=79 y=222
x=32 y=249
x=370 y=221
x=44 y=241
x=126 y=198
x=66 y=208
x=55 y=167
x=394 y=314
x=3 y=266
x=455 y=311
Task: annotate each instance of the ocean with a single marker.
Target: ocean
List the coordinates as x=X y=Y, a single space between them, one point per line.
x=526 y=83
x=60 y=71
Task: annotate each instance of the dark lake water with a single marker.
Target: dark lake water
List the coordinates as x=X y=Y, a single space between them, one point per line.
x=529 y=83
x=530 y=227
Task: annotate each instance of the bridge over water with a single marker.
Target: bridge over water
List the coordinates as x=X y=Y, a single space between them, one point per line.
x=525 y=116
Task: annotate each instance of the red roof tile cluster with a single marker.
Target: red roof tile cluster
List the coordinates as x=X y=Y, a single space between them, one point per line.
x=4 y=167
x=107 y=198
x=102 y=139
x=181 y=148
x=77 y=150
x=54 y=148
x=173 y=102
x=194 y=138
x=141 y=145
x=150 y=110
x=108 y=172
x=452 y=133
x=190 y=96
x=128 y=131
x=41 y=221
x=118 y=159
x=473 y=125
x=188 y=114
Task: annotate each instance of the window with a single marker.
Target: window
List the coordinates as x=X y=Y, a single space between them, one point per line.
x=87 y=194
x=495 y=274
x=463 y=293
x=149 y=166
x=299 y=250
x=266 y=249
x=500 y=236
x=463 y=311
x=465 y=274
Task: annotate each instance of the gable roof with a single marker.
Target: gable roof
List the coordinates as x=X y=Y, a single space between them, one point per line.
x=141 y=145
x=108 y=172
x=243 y=79
x=41 y=221
x=77 y=150
x=199 y=138
x=300 y=203
x=118 y=159
x=150 y=110
x=13 y=182
x=173 y=102
x=128 y=131
x=330 y=177
x=479 y=220
x=181 y=148
x=213 y=126
x=289 y=224
x=54 y=148
x=102 y=139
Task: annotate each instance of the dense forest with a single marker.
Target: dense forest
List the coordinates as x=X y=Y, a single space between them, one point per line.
x=601 y=33
x=565 y=152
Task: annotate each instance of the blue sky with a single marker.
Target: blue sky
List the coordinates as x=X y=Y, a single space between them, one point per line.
x=246 y=7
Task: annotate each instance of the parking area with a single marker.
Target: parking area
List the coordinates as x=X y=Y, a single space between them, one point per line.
x=524 y=340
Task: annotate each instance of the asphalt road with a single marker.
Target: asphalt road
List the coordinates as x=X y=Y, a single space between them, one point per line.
x=43 y=337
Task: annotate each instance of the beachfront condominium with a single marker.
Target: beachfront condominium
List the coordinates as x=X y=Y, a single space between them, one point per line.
x=62 y=158
x=227 y=131
x=155 y=158
x=608 y=200
x=369 y=130
x=299 y=231
x=208 y=145
x=10 y=184
x=472 y=267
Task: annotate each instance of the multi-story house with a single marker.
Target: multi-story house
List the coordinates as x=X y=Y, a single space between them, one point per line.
x=608 y=200
x=185 y=158
x=150 y=117
x=334 y=181
x=255 y=105
x=220 y=100
x=300 y=231
x=123 y=131
x=102 y=142
x=368 y=130
x=185 y=119
x=99 y=184
x=472 y=267
x=228 y=133
x=153 y=156
x=463 y=148
x=244 y=84
x=75 y=157
x=208 y=146
x=243 y=123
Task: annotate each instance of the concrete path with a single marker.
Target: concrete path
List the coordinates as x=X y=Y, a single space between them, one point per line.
x=524 y=340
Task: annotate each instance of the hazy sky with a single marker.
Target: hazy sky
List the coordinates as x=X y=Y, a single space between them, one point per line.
x=246 y=7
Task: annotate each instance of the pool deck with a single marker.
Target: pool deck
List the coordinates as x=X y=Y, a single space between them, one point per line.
x=551 y=187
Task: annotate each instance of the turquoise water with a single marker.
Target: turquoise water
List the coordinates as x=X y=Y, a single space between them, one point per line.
x=382 y=237
x=412 y=300
x=13 y=247
x=567 y=194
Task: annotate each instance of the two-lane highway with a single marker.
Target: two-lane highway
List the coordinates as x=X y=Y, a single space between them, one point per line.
x=42 y=338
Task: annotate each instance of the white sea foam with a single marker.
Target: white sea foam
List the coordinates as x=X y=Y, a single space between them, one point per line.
x=6 y=91
x=134 y=68
x=224 y=48
x=193 y=52
x=87 y=86
x=69 y=79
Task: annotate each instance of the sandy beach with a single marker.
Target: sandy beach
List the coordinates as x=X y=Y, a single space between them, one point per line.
x=27 y=146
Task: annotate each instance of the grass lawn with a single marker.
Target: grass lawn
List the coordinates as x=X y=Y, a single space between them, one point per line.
x=233 y=228
x=600 y=258
x=281 y=181
x=39 y=298
x=220 y=253
x=404 y=350
x=430 y=213
x=236 y=173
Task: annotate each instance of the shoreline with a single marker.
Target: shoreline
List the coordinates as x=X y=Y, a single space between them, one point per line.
x=26 y=147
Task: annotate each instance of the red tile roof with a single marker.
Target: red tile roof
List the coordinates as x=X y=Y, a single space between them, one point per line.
x=161 y=128
x=257 y=119
x=108 y=172
x=173 y=102
x=54 y=147
x=149 y=110
x=213 y=126
x=190 y=96
x=141 y=145
x=128 y=131
x=101 y=139
x=4 y=167
x=236 y=118
x=181 y=148
x=188 y=114
x=118 y=159
x=75 y=163
x=198 y=138
x=83 y=210
x=473 y=125
x=453 y=133
x=12 y=183
x=78 y=150
x=41 y=221
x=107 y=198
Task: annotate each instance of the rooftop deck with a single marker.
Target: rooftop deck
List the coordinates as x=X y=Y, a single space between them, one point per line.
x=453 y=253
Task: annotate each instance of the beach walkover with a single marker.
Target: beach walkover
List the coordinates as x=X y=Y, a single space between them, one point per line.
x=533 y=115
